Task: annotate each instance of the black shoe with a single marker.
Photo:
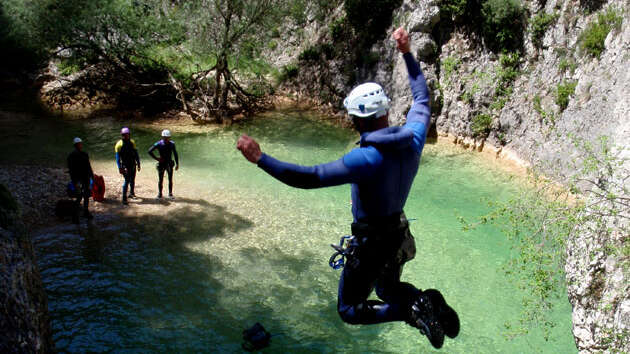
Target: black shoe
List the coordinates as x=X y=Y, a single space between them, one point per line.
x=125 y=202
x=132 y=196
x=88 y=215
x=423 y=315
x=446 y=315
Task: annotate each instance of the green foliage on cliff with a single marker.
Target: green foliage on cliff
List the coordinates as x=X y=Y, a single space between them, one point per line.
x=544 y=215
x=503 y=22
x=453 y=8
x=449 y=67
x=507 y=71
x=593 y=37
x=563 y=92
x=370 y=18
x=539 y=25
x=481 y=124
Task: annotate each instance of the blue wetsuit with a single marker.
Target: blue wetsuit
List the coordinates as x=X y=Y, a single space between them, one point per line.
x=380 y=172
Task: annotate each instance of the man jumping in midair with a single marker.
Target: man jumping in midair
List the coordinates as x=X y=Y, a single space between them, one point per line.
x=380 y=172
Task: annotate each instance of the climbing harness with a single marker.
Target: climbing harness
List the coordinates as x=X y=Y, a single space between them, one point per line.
x=343 y=250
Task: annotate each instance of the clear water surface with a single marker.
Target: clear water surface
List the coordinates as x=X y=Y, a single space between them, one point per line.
x=239 y=247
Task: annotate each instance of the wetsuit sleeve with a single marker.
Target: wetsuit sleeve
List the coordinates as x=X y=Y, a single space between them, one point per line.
x=118 y=160
x=419 y=116
x=350 y=169
x=152 y=153
x=175 y=154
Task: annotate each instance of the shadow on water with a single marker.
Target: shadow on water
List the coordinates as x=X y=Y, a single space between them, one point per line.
x=131 y=282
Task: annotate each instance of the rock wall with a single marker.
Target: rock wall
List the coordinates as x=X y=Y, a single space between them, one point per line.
x=24 y=321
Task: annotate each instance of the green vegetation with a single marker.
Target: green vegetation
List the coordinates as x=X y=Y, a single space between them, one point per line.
x=453 y=8
x=507 y=72
x=539 y=25
x=567 y=64
x=287 y=72
x=449 y=67
x=544 y=215
x=503 y=22
x=68 y=66
x=370 y=18
x=593 y=37
x=547 y=117
x=481 y=124
x=336 y=28
x=563 y=92
x=185 y=51
x=310 y=54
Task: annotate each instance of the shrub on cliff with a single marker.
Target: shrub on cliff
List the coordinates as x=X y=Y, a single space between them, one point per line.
x=563 y=92
x=593 y=37
x=481 y=125
x=539 y=25
x=370 y=18
x=503 y=22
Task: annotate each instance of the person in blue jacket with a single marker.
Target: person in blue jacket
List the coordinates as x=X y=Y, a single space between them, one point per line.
x=380 y=173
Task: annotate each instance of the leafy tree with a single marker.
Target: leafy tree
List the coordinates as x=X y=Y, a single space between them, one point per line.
x=228 y=34
x=118 y=35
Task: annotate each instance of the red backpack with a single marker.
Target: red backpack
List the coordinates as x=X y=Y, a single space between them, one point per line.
x=98 y=188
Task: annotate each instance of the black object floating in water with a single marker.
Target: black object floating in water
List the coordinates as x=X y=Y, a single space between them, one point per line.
x=256 y=338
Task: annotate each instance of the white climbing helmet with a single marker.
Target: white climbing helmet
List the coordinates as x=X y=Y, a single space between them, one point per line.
x=166 y=133
x=367 y=100
x=77 y=140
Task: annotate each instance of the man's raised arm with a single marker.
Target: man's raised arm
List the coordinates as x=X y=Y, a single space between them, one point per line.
x=419 y=116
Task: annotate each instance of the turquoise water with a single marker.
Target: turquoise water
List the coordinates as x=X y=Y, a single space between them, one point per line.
x=238 y=247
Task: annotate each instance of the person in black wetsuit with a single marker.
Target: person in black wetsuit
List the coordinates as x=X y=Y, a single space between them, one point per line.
x=127 y=160
x=167 y=151
x=81 y=174
x=381 y=171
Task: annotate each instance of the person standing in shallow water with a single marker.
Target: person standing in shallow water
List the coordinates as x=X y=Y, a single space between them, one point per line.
x=166 y=150
x=380 y=172
x=81 y=174
x=127 y=160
